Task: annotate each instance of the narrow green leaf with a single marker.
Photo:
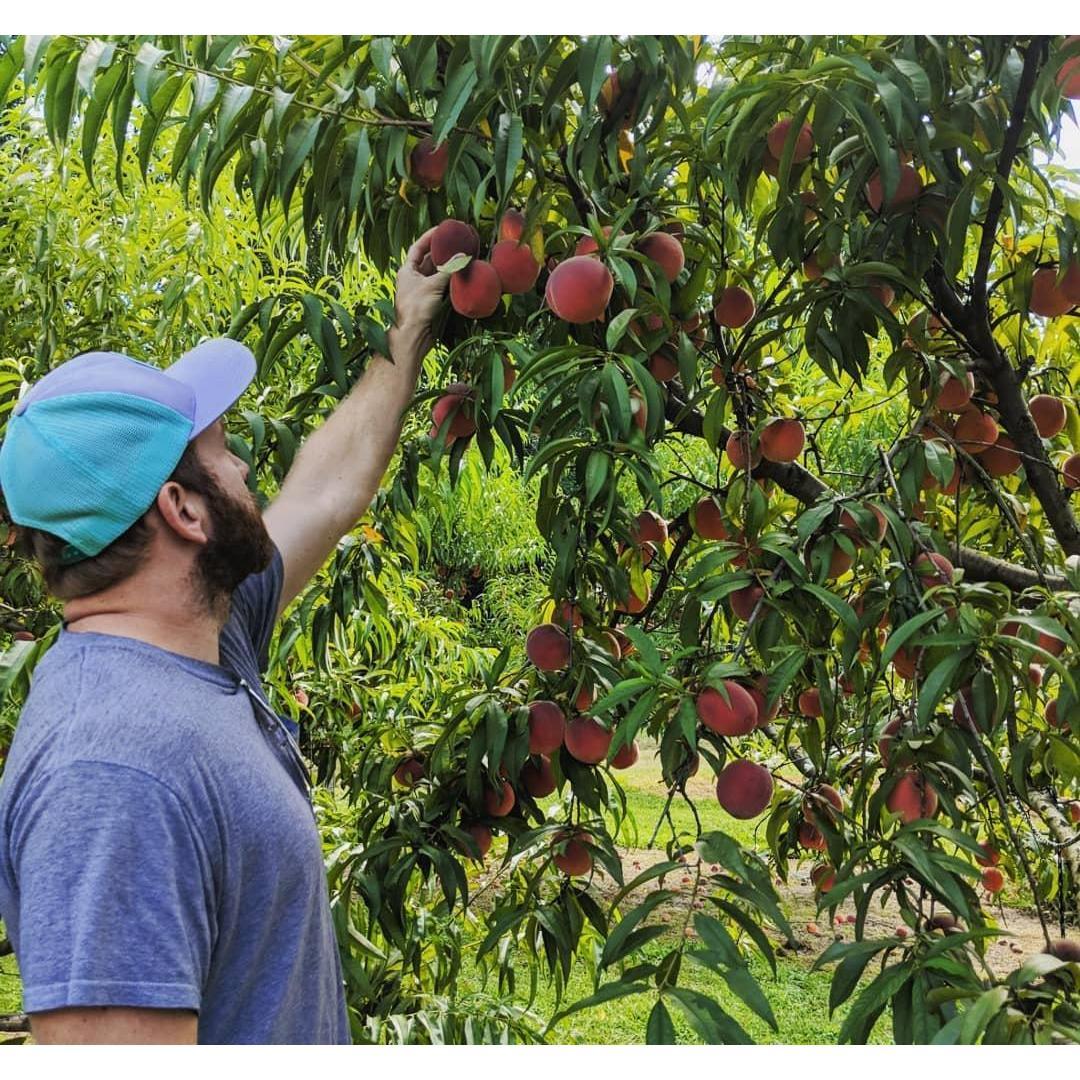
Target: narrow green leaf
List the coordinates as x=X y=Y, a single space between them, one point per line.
x=454 y=97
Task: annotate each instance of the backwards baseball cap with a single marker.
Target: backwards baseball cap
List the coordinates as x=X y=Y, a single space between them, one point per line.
x=89 y=445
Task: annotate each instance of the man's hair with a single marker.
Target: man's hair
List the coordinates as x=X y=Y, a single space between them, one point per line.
x=122 y=557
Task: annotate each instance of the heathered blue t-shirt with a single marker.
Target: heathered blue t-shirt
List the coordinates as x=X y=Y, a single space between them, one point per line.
x=156 y=847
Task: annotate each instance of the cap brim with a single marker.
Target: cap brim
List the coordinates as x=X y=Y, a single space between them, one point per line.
x=218 y=372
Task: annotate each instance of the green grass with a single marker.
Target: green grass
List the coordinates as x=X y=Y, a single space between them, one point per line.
x=10 y=984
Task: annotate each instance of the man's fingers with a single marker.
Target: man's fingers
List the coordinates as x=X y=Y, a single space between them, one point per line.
x=419 y=251
x=427 y=267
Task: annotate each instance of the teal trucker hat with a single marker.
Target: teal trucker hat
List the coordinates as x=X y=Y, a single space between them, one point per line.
x=89 y=445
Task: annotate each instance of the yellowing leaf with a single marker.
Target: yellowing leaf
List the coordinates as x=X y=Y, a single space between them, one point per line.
x=403 y=189
x=372 y=535
x=484 y=127
x=626 y=149
x=536 y=245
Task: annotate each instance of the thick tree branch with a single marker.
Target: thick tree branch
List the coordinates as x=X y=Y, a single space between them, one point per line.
x=1065 y=835
x=808 y=489
x=15 y=1022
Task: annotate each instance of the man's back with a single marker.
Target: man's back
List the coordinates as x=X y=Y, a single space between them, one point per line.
x=157 y=851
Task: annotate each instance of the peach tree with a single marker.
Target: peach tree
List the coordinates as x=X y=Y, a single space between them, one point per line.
x=656 y=244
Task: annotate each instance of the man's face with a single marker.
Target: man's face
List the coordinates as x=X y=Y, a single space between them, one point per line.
x=239 y=544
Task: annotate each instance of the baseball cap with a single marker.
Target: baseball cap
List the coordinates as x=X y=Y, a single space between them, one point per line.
x=89 y=445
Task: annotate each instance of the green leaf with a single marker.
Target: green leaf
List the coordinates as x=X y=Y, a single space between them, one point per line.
x=843 y=610
x=660 y=1031
x=146 y=60
x=905 y=632
x=508 y=149
x=617 y=944
x=712 y=1024
x=617 y=327
x=609 y=992
x=95 y=113
x=746 y=988
x=298 y=143
x=232 y=104
x=869 y=1004
x=454 y=98
x=977 y=1016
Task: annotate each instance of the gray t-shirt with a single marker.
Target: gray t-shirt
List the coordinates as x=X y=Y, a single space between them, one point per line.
x=157 y=847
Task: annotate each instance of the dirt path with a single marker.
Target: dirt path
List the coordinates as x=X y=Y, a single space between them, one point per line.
x=798 y=902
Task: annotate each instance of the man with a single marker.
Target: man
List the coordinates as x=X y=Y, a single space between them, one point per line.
x=161 y=874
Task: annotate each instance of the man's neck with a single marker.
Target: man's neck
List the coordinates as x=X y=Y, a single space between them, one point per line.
x=197 y=639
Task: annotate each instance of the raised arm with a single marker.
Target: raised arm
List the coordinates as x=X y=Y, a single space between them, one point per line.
x=339 y=467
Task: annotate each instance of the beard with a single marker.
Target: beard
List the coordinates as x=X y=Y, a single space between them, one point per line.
x=239 y=545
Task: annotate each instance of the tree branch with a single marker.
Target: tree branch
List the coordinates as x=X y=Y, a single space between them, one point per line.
x=808 y=489
x=1036 y=53
x=15 y=1022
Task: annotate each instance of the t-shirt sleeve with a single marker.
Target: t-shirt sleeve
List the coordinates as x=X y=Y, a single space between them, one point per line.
x=117 y=904
x=255 y=602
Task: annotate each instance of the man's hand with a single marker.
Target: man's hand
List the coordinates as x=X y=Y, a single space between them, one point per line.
x=420 y=291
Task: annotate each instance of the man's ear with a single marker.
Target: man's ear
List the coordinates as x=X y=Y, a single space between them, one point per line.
x=183 y=512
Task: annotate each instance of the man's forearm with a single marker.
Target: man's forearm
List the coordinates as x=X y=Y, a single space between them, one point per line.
x=345 y=459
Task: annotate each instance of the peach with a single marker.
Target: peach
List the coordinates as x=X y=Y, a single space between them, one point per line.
x=1047 y=297
x=810 y=702
x=737 y=715
x=823 y=877
x=452 y=237
x=570 y=854
x=548 y=647
x=664 y=250
x=707 y=521
x=1068 y=82
x=635 y=602
x=734 y=307
x=810 y=837
x=538 y=777
x=976 y=431
x=1053 y=645
x=586 y=695
x=993 y=880
x=587 y=245
x=782 y=440
x=816 y=263
x=888 y=733
x=626 y=646
x=905 y=662
x=663 y=367
x=512 y=225
x=509 y=374
x=567 y=614
x=933 y=569
x=954 y=394
x=587 y=740
x=516 y=266
x=1048 y=413
x=1073 y=809
x=1064 y=948
x=1050 y=713
x=739 y=452
x=579 y=289
x=990 y=855
x=778 y=133
x=913 y=797
x=481 y=834
x=476 y=290
x=849 y=525
x=498 y=802
x=626 y=757
x=883 y=292
x=409 y=772
x=823 y=801
x=744 y=789
x=1071 y=472
x=745 y=600
x=428 y=162
x=907 y=190
x=1001 y=459
x=649 y=527
x=1070 y=283
x=547 y=722
x=944 y=921
x=759 y=691
x=840 y=562
x=456 y=401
